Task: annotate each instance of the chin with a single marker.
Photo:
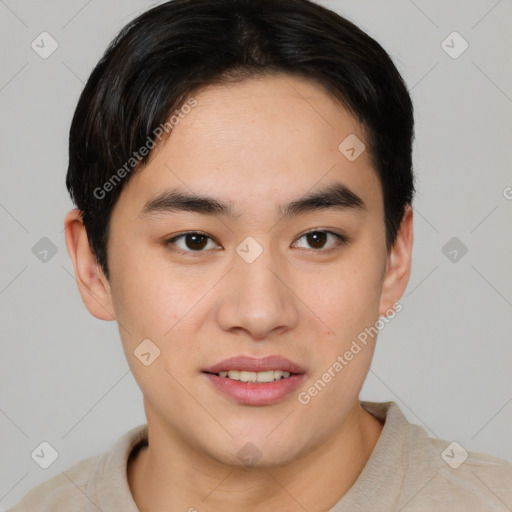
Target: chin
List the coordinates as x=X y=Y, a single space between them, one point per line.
x=250 y=457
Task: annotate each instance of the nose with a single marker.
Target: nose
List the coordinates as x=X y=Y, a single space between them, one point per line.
x=258 y=298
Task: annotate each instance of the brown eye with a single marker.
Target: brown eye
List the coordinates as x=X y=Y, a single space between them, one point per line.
x=191 y=242
x=195 y=241
x=318 y=239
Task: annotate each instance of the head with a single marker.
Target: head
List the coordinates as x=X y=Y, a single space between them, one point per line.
x=278 y=135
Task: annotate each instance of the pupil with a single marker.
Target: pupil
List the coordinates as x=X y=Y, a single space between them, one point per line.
x=317 y=239
x=199 y=241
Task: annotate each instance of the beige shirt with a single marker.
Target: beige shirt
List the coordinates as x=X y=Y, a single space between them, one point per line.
x=407 y=471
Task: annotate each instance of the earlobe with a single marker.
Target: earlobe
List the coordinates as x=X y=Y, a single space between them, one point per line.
x=94 y=288
x=398 y=265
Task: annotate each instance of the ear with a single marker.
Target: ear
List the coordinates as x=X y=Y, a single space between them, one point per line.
x=92 y=283
x=398 y=268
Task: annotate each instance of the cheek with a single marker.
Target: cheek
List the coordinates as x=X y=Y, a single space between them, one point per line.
x=147 y=292
x=156 y=302
x=349 y=306
x=145 y=302
x=152 y=318
x=347 y=298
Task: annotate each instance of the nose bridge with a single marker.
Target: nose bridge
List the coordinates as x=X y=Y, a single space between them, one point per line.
x=258 y=301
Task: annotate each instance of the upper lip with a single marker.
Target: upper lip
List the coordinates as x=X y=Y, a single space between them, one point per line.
x=251 y=364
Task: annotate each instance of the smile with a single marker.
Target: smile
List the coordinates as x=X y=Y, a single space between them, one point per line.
x=244 y=376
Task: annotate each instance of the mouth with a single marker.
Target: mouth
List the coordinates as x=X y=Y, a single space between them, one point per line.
x=252 y=381
x=245 y=376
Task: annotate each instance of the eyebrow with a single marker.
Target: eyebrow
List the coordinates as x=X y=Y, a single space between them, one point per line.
x=336 y=196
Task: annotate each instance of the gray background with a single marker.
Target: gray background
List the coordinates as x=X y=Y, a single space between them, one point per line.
x=445 y=359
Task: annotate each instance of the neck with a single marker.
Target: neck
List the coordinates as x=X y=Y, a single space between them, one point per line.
x=174 y=477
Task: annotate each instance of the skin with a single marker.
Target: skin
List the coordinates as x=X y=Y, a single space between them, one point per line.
x=257 y=143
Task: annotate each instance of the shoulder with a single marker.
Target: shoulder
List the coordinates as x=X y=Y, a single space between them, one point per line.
x=65 y=491
x=98 y=480
x=422 y=473
x=453 y=478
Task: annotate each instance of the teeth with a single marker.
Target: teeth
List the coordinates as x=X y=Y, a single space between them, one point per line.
x=269 y=375
x=246 y=376
x=243 y=376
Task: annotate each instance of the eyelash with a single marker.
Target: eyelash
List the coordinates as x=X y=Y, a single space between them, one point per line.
x=341 y=240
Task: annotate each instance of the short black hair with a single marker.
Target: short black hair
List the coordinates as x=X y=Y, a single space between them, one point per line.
x=166 y=54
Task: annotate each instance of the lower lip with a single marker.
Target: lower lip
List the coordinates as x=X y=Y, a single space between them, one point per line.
x=256 y=393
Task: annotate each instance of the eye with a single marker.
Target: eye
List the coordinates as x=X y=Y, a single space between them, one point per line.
x=197 y=242
x=318 y=239
x=192 y=241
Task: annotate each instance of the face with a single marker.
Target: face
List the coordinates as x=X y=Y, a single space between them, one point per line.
x=253 y=271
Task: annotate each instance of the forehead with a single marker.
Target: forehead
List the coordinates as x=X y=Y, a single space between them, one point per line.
x=256 y=141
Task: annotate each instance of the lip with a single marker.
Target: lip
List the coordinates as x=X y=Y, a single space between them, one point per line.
x=256 y=393
x=252 y=364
